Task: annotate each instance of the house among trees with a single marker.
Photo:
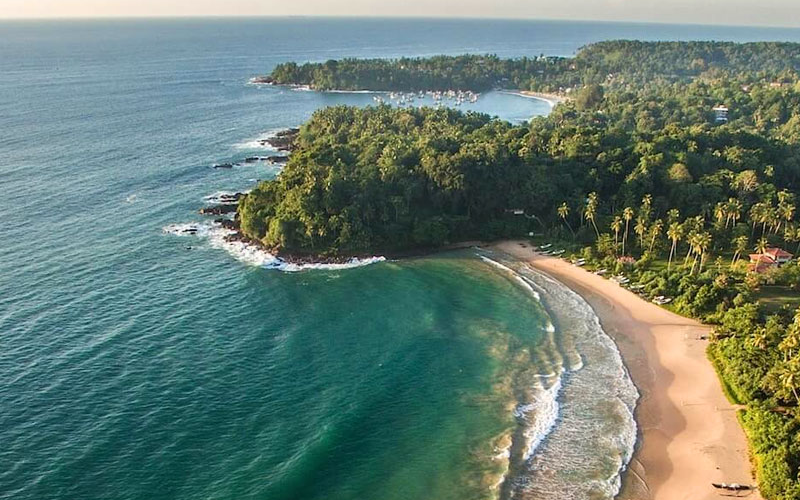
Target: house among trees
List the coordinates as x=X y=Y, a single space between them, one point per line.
x=771 y=258
x=721 y=113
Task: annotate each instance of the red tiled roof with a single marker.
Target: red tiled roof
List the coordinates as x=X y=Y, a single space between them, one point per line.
x=762 y=258
x=778 y=252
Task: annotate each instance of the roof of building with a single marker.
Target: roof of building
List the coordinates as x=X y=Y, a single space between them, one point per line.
x=762 y=258
x=778 y=253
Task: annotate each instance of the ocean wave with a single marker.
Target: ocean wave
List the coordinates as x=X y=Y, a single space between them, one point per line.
x=525 y=284
x=598 y=409
x=217 y=236
x=260 y=142
x=577 y=420
x=539 y=416
x=223 y=197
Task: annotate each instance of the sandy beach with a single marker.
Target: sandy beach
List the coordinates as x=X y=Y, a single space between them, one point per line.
x=689 y=436
x=551 y=99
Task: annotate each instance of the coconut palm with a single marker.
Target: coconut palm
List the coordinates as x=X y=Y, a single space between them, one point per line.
x=673 y=215
x=563 y=212
x=759 y=339
x=734 y=211
x=647 y=203
x=616 y=226
x=674 y=233
x=702 y=243
x=627 y=215
x=590 y=212
x=655 y=231
x=756 y=214
x=640 y=229
x=721 y=213
x=739 y=246
x=761 y=245
x=786 y=208
x=790 y=377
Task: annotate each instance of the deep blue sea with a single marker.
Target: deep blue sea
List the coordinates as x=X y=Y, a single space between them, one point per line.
x=138 y=364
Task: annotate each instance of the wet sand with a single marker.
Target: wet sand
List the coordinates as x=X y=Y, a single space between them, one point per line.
x=689 y=436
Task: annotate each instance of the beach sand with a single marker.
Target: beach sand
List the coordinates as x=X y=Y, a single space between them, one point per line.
x=689 y=436
x=551 y=99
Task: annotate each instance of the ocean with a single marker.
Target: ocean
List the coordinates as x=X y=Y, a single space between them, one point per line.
x=136 y=363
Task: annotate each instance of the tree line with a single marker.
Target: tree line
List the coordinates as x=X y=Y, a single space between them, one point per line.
x=635 y=169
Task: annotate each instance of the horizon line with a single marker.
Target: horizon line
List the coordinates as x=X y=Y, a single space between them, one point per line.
x=373 y=17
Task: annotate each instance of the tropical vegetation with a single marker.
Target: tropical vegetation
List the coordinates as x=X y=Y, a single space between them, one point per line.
x=636 y=172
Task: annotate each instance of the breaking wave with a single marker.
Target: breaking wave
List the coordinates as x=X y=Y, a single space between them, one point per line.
x=217 y=237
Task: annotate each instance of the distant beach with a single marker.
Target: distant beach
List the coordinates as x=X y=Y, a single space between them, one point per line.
x=689 y=435
x=549 y=98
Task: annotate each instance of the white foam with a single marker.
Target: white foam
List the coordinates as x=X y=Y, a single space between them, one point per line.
x=259 y=143
x=599 y=376
x=217 y=197
x=253 y=255
x=539 y=416
x=525 y=284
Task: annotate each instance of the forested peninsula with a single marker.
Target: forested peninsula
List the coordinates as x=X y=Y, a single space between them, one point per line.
x=670 y=163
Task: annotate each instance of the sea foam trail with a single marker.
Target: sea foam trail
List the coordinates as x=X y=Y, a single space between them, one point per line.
x=260 y=142
x=217 y=236
x=596 y=431
x=577 y=421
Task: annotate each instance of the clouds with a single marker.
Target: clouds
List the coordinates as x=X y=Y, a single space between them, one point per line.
x=744 y=12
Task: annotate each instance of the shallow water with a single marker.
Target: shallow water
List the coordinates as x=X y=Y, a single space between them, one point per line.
x=136 y=364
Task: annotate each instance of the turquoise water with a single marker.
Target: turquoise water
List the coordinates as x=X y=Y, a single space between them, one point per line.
x=136 y=364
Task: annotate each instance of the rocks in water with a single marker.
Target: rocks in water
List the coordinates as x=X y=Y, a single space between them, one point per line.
x=262 y=80
x=229 y=198
x=277 y=159
x=227 y=223
x=227 y=208
x=283 y=140
x=224 y=165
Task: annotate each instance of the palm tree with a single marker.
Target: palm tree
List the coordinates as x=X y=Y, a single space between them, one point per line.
x=647 y=203
x=761 y=245
x=690 y=240
x=758 y=339
x=675 y=233
x=734 y=211
x=563 y=212
x=756 y=214
x=785 y=211
x=790 y=378
x=627 y=215
x=591 y=211
x=673 y=215
x=740 y=246
x=640 y=228
x=721 y=213
x=616 y=226
x=701 y=242
x=655 y=231
x=797 y=236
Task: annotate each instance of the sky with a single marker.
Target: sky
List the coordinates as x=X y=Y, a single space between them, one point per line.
x=737 y=12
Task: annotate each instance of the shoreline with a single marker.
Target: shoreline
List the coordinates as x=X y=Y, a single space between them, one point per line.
x=688 y=433
x=551 y=99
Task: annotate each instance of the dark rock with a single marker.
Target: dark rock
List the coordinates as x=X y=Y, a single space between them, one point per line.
x=263 y=80
x=227 y=224
x=224 y=165
x=219 y=209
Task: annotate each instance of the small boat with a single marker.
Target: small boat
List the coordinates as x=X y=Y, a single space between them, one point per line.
x=545 y=247
x=732 y=486
x=558 y=252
